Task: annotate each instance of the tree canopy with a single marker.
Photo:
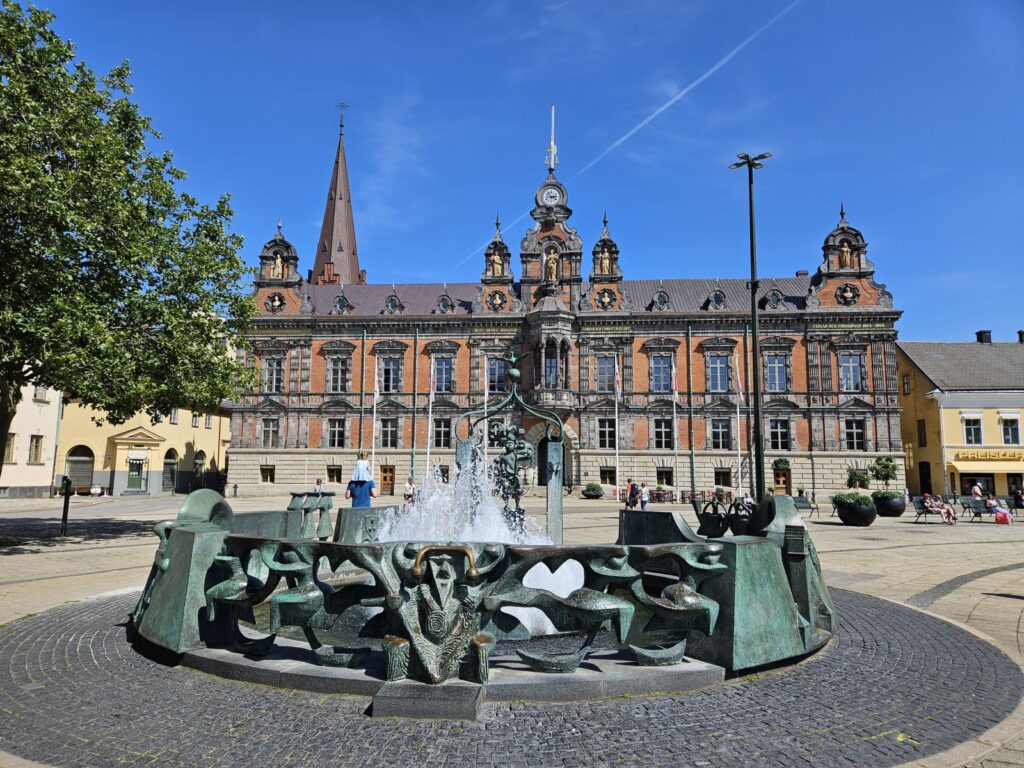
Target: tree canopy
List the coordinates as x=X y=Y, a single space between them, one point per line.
x=116 y=286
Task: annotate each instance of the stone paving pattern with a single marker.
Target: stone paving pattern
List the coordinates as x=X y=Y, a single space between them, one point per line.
x=897 y=684
x=971 y=573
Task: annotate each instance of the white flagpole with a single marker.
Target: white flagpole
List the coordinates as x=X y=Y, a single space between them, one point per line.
x=618 y=394
x=430 y=417
x=487 y=392
x=373 y=420
x=739 y=447
x=675 y=427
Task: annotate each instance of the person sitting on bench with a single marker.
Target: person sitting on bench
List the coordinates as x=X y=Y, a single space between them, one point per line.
x=932 y=503
x=994 y=507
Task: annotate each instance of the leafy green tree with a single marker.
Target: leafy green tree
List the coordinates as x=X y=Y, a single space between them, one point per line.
x=885 y=470
x=116 y=287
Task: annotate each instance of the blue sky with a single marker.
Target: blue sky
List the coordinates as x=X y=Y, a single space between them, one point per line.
x=908 y=111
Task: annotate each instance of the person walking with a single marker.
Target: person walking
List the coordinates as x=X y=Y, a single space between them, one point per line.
x=410 y=492
x=645 y=496
x=632 y=493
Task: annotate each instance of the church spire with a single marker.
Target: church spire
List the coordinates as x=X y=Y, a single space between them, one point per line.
x=337 y=257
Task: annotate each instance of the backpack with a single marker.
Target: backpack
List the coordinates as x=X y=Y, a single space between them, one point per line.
x=633 y=493
x=1002 y=518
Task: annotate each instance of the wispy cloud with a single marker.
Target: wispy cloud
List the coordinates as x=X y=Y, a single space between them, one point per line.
x=395 y=148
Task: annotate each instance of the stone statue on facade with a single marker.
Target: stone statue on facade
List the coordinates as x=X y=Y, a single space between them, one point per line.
x=551 y=266
x=496 y=265
x=277 y=268
x=845 y=256
x=604 y=263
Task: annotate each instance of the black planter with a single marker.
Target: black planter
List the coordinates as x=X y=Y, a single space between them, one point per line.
x=592 y=494
x=891 y=507
x=852 y=513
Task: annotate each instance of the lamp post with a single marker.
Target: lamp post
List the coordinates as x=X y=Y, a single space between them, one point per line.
x=751 y=163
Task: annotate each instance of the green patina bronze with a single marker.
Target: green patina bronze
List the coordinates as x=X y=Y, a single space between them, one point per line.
x=738 y=601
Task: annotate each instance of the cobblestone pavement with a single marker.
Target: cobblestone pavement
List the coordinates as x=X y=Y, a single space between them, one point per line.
x=897 y=685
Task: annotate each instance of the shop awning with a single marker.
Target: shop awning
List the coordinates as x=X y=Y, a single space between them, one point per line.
x=986 y=467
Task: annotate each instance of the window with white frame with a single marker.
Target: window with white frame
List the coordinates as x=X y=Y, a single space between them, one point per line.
x=195 y=420
x=972 y=431
x=35 y=449
x=335 y=433
x=851 y=372
x=663 y=434
x=337 y=374
x=389 y=433
x=721 y=434
x=444 y=374
x=273 y=374
x=605 y=378
x=775 y=379
x=391 y=374
x=173 y=416
x=1011 y=432
x=606 y=433
x=496 y=378
x=718 y=372
x=778 y=434
x=270 y=433
x=443 y=433
x=854 y=435
x=661 y=373
x=209 y=421
x=9 y=449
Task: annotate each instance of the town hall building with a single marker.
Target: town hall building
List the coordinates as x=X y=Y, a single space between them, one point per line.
x=657 y=369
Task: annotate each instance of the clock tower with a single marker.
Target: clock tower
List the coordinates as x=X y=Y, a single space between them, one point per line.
x=551 y=250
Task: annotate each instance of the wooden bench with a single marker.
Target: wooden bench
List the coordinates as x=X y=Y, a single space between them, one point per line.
x=921 y=510
x=803 y=504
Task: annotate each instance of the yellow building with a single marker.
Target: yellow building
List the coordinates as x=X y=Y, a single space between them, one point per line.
x=961 y=415
x=182 y=451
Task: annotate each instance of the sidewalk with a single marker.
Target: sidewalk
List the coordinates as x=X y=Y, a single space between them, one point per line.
x=971 y=573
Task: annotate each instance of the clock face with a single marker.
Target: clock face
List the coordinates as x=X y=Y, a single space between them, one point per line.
x=496 y=300
x=551 y=196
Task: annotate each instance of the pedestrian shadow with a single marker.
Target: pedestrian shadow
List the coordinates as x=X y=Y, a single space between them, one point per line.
x=1004 y=594
x=28 y=535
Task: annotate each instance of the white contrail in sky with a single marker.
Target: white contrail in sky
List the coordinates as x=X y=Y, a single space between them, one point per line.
x=717 y=66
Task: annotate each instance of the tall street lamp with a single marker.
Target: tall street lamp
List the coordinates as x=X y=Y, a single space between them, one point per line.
x=751 y=163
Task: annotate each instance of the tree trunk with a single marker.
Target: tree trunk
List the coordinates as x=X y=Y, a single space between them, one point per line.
x=10 y=396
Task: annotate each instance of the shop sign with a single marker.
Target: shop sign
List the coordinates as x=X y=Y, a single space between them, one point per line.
x=990 y=455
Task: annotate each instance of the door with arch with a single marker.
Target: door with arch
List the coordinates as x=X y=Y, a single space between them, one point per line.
x=199 y=470
x=79 y=466
x=169 y=477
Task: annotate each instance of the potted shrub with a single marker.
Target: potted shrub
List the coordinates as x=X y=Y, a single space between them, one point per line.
x=593 y=491
x=799 y=490
x=888 y=503
x=780 y=464
x=855 y=508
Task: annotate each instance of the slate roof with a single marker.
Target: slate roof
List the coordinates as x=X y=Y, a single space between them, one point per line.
x=685 y=294
x=969 y=365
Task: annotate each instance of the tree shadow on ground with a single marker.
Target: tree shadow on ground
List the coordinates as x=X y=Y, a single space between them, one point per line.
x=28 y=535
x=1004 y=594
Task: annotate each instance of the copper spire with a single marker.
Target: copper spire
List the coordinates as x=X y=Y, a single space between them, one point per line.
x=336 y=247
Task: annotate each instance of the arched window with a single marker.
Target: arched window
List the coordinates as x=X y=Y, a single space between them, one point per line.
x=79 y=466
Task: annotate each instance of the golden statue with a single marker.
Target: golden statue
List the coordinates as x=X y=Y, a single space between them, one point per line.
x=497 y=268
x=604 y=263
x=845 y=255
x=551 y=266
x=277 y=270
